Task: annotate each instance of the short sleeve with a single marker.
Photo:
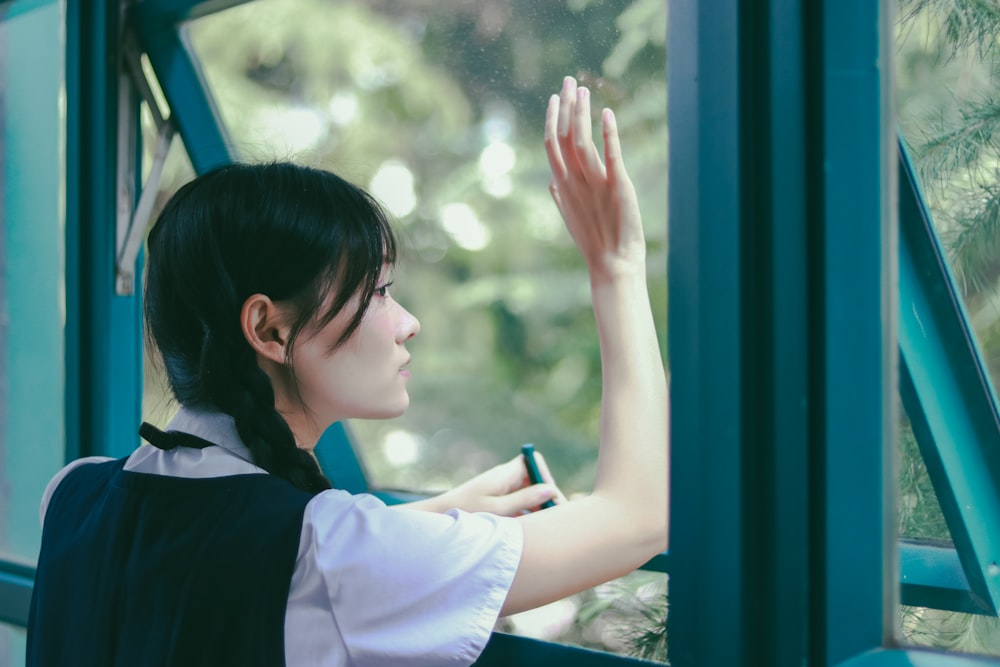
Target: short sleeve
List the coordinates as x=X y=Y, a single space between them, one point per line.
x=411 y=587
x=50 y=488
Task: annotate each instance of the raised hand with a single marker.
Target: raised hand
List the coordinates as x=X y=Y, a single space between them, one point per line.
x=596 y=199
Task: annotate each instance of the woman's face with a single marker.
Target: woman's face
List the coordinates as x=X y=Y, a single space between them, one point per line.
x=365 y=376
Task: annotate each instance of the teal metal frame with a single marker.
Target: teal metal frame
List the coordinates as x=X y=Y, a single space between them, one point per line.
x=852 y=180
x=193 y=110
x=781 y=332
x=103 y=330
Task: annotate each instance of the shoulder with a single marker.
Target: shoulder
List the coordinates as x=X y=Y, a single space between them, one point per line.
x=388 y=548
x=50 y=488
x=405 y=587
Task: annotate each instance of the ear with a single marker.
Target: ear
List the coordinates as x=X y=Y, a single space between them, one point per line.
x=264 y=327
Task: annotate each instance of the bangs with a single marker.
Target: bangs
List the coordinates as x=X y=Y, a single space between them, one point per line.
x=361 y=242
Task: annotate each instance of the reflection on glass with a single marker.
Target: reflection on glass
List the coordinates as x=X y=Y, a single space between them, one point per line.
x=626 y=616
x=949 y=630
x=949 y=113
x=32 y=295
x=438 y=109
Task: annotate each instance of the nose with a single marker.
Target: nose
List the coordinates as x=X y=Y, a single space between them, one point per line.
x=407 y=326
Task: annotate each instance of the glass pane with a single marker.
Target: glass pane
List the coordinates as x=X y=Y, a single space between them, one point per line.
x=953 y=631
x=627 y=616
x=919 y=513
x=32 y=292
x=438 y=109
x=12 y=645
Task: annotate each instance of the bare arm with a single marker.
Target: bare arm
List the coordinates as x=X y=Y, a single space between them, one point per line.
x=623 y=523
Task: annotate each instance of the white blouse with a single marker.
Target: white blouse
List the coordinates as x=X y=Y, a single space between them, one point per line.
x=372 y=585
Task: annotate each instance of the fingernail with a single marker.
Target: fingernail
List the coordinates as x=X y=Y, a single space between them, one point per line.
x=582 y=93
x=568 y=82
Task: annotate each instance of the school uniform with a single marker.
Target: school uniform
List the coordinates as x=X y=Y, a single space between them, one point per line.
x=191 y=556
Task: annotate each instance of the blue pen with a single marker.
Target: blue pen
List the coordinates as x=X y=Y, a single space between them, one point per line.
x=528 y=452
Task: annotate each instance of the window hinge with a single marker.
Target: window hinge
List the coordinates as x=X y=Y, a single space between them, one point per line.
x=133 y=221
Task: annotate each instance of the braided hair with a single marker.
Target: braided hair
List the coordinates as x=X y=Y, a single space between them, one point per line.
x=289 y=232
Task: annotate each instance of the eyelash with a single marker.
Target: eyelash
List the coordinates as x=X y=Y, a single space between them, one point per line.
x=382 y=291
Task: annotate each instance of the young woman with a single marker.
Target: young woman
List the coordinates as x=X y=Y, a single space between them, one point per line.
x=222 y=543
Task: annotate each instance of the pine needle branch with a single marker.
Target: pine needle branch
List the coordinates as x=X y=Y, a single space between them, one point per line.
x=959 y=148
x=974 y=244
x=965 y=24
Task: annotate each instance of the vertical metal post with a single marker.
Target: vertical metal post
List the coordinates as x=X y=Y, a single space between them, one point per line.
x=781 y=335
x=854 y=389
x=707 y=551
x=104 y=334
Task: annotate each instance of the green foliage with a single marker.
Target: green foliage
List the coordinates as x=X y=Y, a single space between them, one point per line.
x=949 y=114
x=919 y=513
x=950 y=630
x=962 y=24
x=628 y=615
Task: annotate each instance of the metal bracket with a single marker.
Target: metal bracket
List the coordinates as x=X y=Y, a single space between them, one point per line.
x=132 y=223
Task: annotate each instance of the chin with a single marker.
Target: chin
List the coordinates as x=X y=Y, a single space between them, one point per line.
x=388 y=411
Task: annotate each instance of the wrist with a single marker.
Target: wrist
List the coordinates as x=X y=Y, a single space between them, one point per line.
x=630 y=275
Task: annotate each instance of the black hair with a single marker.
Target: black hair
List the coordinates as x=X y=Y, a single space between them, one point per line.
x=289 y=232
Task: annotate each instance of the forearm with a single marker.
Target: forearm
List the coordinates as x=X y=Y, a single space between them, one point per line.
x=438 y=503
x=633 y=458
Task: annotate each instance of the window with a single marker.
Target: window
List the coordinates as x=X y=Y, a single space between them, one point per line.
x=945 y=92
x=32 y=259
x=438 y=110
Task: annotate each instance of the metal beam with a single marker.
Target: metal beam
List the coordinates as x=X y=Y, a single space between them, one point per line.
x=192 y=107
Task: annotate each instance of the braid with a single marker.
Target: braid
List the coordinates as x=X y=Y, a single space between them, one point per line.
x=236 y=385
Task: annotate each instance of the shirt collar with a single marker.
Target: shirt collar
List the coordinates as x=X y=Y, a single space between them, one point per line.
x=215 y=427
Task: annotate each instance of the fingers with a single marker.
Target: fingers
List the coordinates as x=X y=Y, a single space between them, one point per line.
x=523 y=500
x=583 y=142
x=612 y=149
x=567 y=104
x=547 y=477
x=552 y=149
x=569 y=142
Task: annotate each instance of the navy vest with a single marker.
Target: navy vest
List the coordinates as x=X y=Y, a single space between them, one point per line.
x=148 y=570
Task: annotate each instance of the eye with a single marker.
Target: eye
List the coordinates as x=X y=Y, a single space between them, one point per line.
x=382 y=291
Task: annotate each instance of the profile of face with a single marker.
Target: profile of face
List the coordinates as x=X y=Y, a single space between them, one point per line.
x=365 y=377
x=327 y=379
